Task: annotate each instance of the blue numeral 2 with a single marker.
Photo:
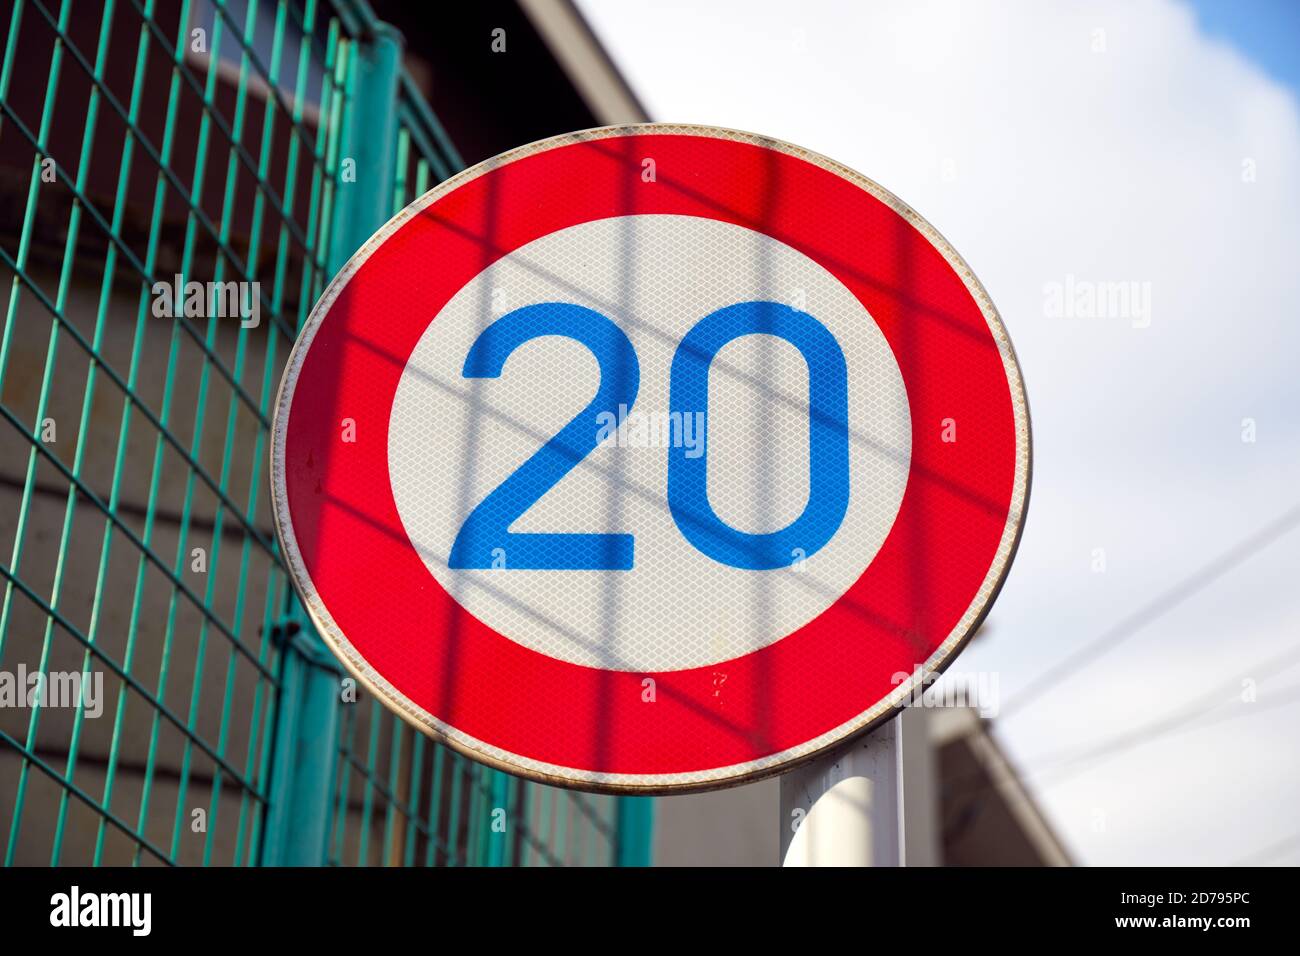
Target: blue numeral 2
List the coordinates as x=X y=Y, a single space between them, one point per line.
x=488 y=526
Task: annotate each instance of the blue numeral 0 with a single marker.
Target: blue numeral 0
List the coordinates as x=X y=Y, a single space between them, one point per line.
x=828 y=438
x=487 y=527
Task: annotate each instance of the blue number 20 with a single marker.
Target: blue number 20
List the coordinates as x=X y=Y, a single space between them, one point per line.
x=487 y=527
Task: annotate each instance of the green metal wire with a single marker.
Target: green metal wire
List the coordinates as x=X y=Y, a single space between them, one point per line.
x=69 y=256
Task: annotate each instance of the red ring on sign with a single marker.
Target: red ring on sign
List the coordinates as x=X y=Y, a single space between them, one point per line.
x=926 y=575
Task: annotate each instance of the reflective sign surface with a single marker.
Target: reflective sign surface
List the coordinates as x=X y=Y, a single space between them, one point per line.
x=652 y=457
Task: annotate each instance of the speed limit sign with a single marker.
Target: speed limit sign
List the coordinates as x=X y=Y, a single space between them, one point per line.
x=650 y=458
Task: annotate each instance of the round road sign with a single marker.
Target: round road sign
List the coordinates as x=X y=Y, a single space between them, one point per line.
x=650 y=458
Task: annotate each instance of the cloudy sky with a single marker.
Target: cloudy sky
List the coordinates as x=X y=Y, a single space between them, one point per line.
x=1054 y=144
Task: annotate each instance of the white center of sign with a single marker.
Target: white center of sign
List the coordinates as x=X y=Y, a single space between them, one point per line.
x=453 y=440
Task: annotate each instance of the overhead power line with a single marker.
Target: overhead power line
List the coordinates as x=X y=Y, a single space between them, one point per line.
x=1170 y=599
x=1182 y=718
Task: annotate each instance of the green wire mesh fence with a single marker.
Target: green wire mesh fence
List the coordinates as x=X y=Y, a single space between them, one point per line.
x=163 y=699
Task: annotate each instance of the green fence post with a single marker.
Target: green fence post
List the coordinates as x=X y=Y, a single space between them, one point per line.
x=306 y=751
x=369 y=140
x=305 y=754
x=634 y=826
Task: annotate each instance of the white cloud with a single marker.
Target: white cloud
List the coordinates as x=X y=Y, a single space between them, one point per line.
x=1122 y=165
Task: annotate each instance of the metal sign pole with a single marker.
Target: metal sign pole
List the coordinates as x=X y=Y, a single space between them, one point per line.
x=846 y=808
